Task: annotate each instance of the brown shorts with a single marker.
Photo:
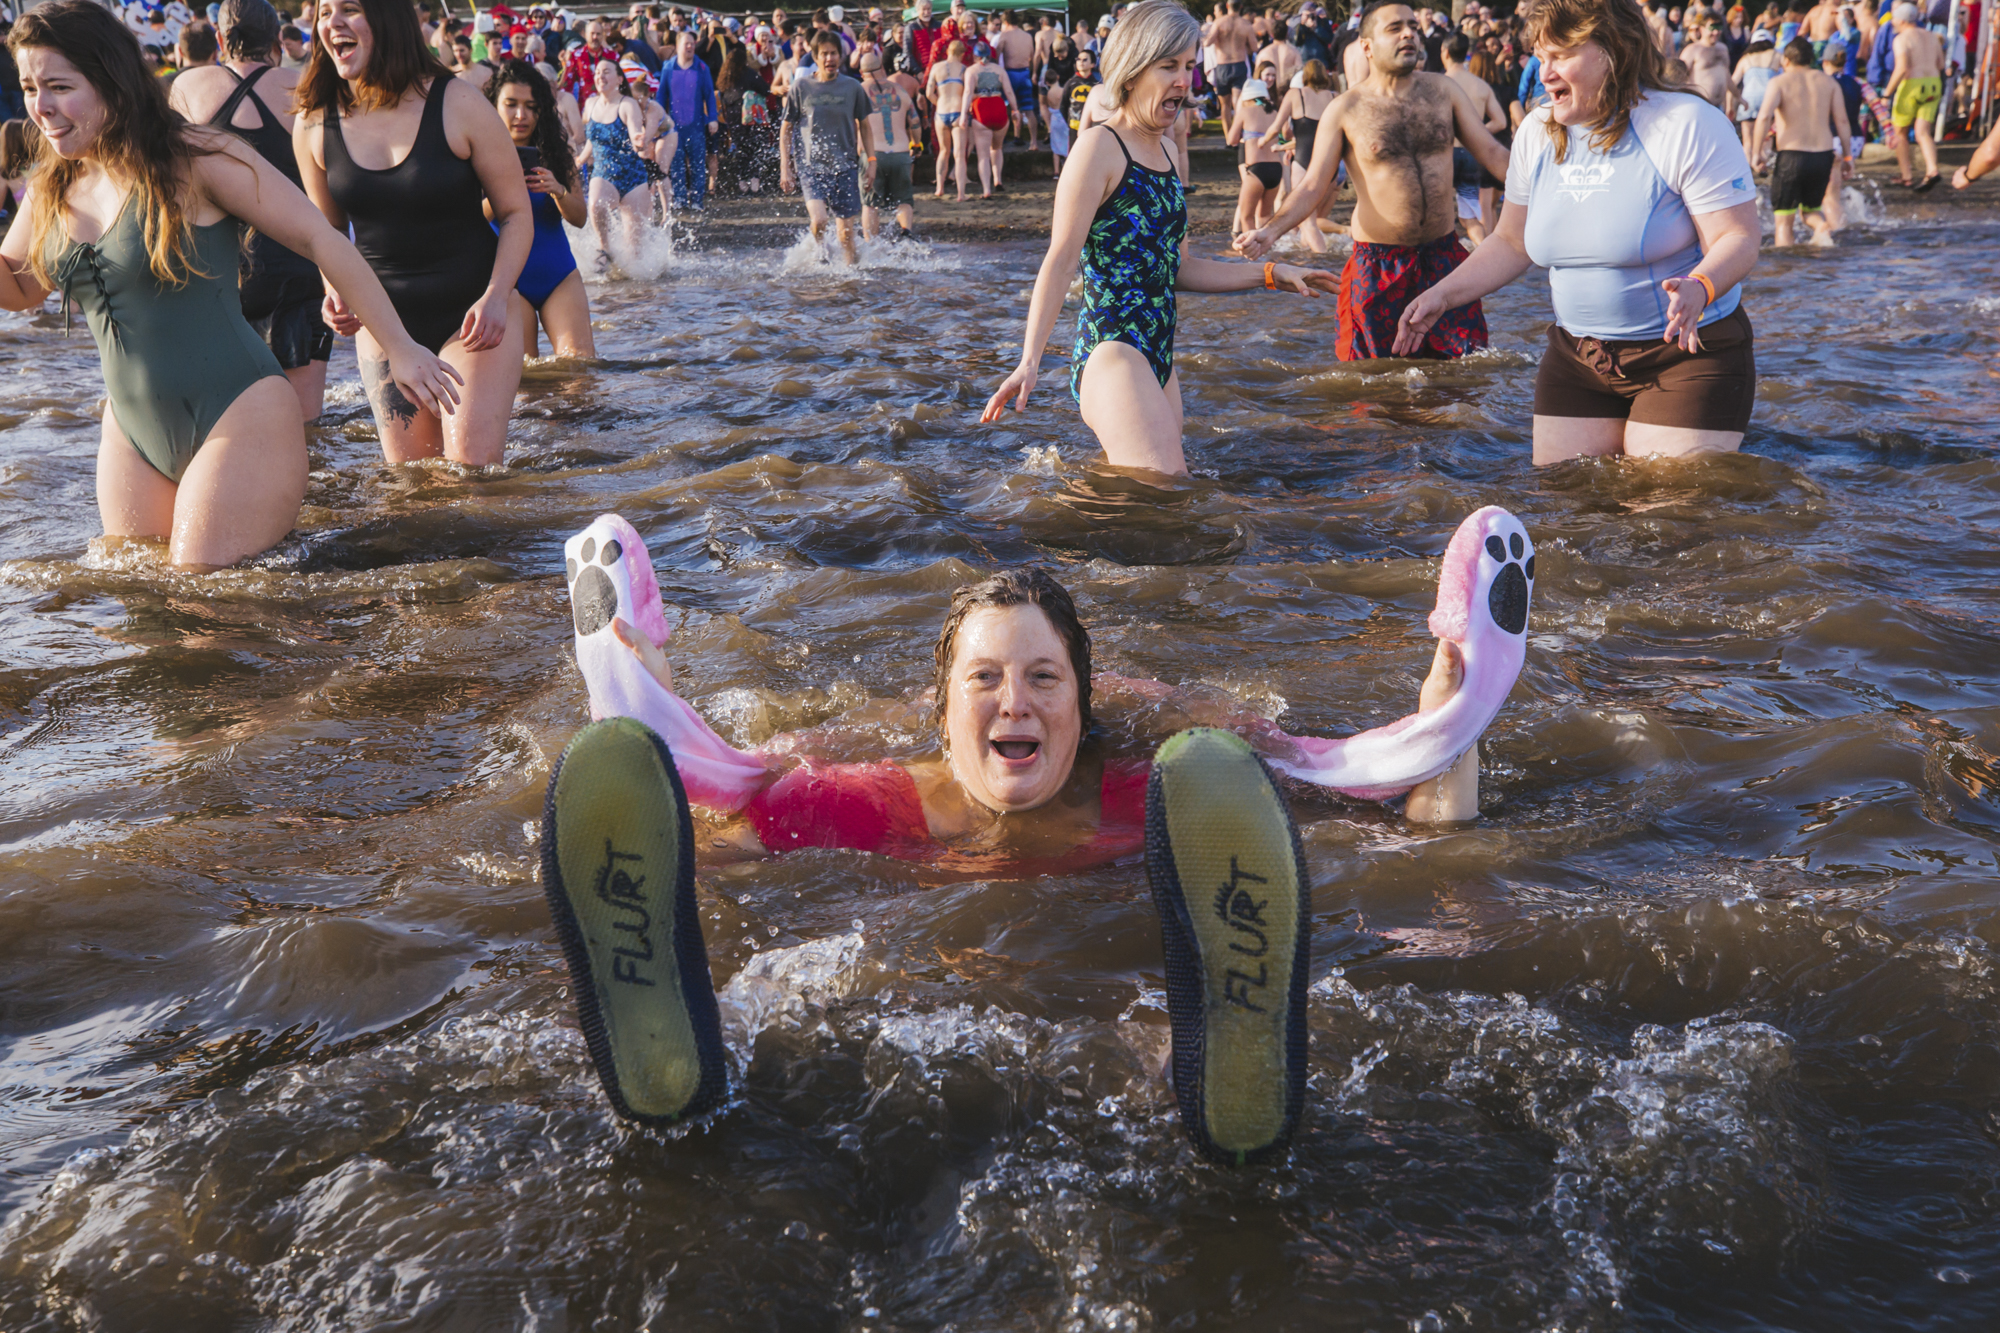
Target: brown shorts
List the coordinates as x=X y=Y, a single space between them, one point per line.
x=1652 y=381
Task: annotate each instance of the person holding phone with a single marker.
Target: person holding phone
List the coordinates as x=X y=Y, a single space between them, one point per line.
x=549 y=281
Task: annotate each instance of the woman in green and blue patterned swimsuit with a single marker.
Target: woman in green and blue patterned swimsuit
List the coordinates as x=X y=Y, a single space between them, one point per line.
x=1120 y=212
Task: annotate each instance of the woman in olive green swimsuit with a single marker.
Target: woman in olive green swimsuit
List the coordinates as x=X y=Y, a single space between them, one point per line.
x=134 y=216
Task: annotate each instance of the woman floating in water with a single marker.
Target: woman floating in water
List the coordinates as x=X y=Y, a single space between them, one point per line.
x=1016 y=777
x=1120 y=209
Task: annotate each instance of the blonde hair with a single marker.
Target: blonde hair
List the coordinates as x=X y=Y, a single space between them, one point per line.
x=1637 y=67
x=1149 y=32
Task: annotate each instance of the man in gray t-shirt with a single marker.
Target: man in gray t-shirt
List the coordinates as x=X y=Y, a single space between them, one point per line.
x=832 y=115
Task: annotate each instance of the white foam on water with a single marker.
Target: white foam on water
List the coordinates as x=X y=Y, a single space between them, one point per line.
x=787 y=985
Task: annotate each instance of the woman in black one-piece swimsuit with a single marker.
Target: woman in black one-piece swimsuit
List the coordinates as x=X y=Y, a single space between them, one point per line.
x=417 y=217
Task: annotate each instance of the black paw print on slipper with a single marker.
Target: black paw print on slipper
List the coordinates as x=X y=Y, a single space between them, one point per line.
x=593 y=598
x=1507 y=600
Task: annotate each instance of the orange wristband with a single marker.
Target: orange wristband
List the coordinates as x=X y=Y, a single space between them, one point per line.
x=1271 y=276
x=1707 y=286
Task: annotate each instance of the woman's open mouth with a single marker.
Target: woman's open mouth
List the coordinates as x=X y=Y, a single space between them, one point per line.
x=1018 y=750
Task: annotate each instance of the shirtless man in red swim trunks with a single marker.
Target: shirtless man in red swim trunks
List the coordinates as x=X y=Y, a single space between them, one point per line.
x=1395 y=131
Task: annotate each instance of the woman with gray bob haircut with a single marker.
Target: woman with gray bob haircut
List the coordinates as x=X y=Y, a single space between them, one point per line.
x=1151 y=32
x=1120 y=211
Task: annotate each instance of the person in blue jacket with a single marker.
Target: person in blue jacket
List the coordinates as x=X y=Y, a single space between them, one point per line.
x=687 y=91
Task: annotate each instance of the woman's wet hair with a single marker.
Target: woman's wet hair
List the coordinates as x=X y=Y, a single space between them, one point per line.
x=1149 y=32
x=1314 y=76
x=250 y=29
x=141 y=140
x=1015 y=587
x=1618 y=27
x=549 y=138
x=399 y=62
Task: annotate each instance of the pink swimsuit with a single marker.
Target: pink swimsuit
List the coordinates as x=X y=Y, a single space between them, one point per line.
x=875 y=808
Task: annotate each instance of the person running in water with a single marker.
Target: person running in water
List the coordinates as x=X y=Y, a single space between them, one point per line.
x=1810 y=117
x=1395 y=134
x=835 y=123
x=250 y=97
x=1022 y=785
x=1914 y=89
x=134 y=217
x=1119 y=208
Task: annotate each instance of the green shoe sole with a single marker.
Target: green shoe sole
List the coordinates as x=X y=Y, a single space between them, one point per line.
x=1229 y=881
x=618 y=870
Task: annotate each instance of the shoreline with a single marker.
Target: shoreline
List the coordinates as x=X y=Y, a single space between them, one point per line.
x=768 y=219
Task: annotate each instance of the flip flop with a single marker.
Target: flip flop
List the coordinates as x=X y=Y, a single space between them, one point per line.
x=1926 y=183
x=1229 y=883
x=618 y=869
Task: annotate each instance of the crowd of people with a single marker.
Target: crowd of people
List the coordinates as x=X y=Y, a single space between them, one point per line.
x=371 y=169
x=1593 y=138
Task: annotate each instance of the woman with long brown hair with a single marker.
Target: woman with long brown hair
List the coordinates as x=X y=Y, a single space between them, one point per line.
x=134 y=217
x=1634 y=193
x=390 y=142
x=550 y=281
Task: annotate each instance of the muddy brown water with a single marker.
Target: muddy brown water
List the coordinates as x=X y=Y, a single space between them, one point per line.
x=1696 y=1029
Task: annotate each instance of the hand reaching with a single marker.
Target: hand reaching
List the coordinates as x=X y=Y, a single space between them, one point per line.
x=1415 y=325
x=1686 y=299
x=1018 y=386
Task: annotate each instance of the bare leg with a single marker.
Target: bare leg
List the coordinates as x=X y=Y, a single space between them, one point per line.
x=309 y=383
x=1453 y=795
x=1643 y=440
x=567 y=319
x=239 y=496
x=1136 y=421
x=1781 y=230
x=406 y=430
x=1900 y=137
x=958 y=147
x=1558 y=439
x=636 y=208
x=1929 y=147
x=477 y=432
x=1836 y=212
x=943 y=155
x=845 y=228
x=603 y=198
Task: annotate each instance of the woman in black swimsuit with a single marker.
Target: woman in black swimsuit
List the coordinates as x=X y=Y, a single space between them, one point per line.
x=248 y=95
x=388 y=140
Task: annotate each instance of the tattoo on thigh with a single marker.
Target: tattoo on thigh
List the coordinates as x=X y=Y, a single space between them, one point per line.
x=384 y=395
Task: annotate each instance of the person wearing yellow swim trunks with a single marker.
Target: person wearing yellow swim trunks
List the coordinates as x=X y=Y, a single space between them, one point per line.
x=1914 y=91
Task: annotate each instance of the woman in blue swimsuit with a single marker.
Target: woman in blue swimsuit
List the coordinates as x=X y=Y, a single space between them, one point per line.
x=1120 y=211
x=614 y=125
x=549 y=280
